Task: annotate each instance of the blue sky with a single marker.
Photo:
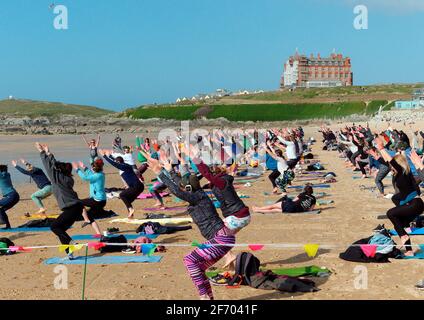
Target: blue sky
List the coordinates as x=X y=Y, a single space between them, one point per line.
x=125 y=53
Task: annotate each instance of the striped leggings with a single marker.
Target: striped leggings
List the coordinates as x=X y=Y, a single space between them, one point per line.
x=199 y=260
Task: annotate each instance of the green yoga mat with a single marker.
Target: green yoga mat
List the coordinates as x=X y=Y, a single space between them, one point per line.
x=313 y=271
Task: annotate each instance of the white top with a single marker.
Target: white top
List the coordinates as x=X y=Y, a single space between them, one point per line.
x=282 y=165
x=290 y=149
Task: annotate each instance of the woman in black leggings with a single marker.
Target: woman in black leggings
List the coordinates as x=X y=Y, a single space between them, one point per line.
x=408 y=203
x=60 y=174
x=135 y=186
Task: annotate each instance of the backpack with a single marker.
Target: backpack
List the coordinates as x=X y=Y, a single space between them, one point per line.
x=6 y=243
x=113 y=239
x=246 y=266
x=385 y=243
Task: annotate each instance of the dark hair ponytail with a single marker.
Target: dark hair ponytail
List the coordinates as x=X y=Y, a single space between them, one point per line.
x=65 y=168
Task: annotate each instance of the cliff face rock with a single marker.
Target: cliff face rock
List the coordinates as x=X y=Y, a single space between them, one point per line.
x=69 y=124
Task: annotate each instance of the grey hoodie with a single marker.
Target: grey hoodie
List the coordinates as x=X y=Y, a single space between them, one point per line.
x=62 y=186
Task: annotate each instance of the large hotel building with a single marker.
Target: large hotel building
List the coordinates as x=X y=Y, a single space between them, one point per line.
x=316 y=72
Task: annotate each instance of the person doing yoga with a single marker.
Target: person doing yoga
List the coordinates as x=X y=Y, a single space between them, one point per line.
x=408 y=204
x=43 y=183
x=93 y=145
x=10 y=196
x=97 y=200
x=135 y=186
x=219 y=238
x=60 y=174
x=304 y=202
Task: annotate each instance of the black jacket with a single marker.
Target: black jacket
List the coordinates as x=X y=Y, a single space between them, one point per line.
x=228 y=197
x=200 y=208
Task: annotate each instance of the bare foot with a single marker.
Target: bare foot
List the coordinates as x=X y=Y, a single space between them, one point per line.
x=131 y=213
x=42 y=211
x=409 y=253
x=158 y=204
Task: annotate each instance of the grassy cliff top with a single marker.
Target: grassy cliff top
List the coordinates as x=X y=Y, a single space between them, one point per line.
x=33 y=109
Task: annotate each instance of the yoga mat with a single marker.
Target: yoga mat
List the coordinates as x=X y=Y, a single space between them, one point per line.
x=313 y=186
x=55 y=216
x=415 y=232
x=291 y=272
x=294 y=213
x=149 y=195
x=104 y=260
x=306 y=212
x=418 y=255
x=128 y=236
x=44 y=229
x=167 y=209
x=244 y=181
x=166 y=221
x=324 y=202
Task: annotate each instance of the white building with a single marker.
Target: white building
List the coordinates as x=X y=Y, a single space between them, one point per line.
x=291 y=71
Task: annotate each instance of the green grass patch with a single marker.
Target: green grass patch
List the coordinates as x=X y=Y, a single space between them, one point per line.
x=374 y=106
x=169 y=112
x=286 y=112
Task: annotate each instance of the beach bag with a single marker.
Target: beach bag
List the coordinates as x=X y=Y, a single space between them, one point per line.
x=268 y=280
x=246 y=266
x=385 y=243
x=5 y=243
x=113 y=239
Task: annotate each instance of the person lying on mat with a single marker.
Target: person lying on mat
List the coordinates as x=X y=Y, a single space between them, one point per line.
x=43 y=183
x=304 y=202
x=219 y=238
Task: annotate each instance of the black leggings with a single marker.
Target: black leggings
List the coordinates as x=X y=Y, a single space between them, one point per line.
x=362 y=166
x=130 y=194
x=402 y=216
x=274 y=175
x=66 y=219
x=95 y=207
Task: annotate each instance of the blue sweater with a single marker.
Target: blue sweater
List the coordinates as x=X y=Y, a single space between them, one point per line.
x=97 y=183
x=127 y=174
x=271 y=163
x=6 y=186
x=37 y=175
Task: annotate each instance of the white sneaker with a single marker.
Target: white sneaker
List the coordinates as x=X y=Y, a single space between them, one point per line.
x=388 y=196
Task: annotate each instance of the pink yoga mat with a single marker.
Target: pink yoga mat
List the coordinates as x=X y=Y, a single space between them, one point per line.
x=149 y=195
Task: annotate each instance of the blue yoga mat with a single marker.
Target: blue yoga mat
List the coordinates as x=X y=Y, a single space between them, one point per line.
x=418 y=255
x=415 y=232
x=104 y=260
x=44 y=229
x=128 y=236
x=313 y=186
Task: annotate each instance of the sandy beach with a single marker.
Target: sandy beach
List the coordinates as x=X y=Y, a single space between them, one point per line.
x=351 y=217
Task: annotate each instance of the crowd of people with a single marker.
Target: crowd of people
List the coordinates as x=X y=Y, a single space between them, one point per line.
x=383 y=153
x=180 y=164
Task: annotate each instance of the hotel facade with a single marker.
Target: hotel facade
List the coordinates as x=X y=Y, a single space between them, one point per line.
x=316 y=72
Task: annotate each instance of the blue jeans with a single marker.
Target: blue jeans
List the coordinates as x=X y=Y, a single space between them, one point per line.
x=6 y=203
